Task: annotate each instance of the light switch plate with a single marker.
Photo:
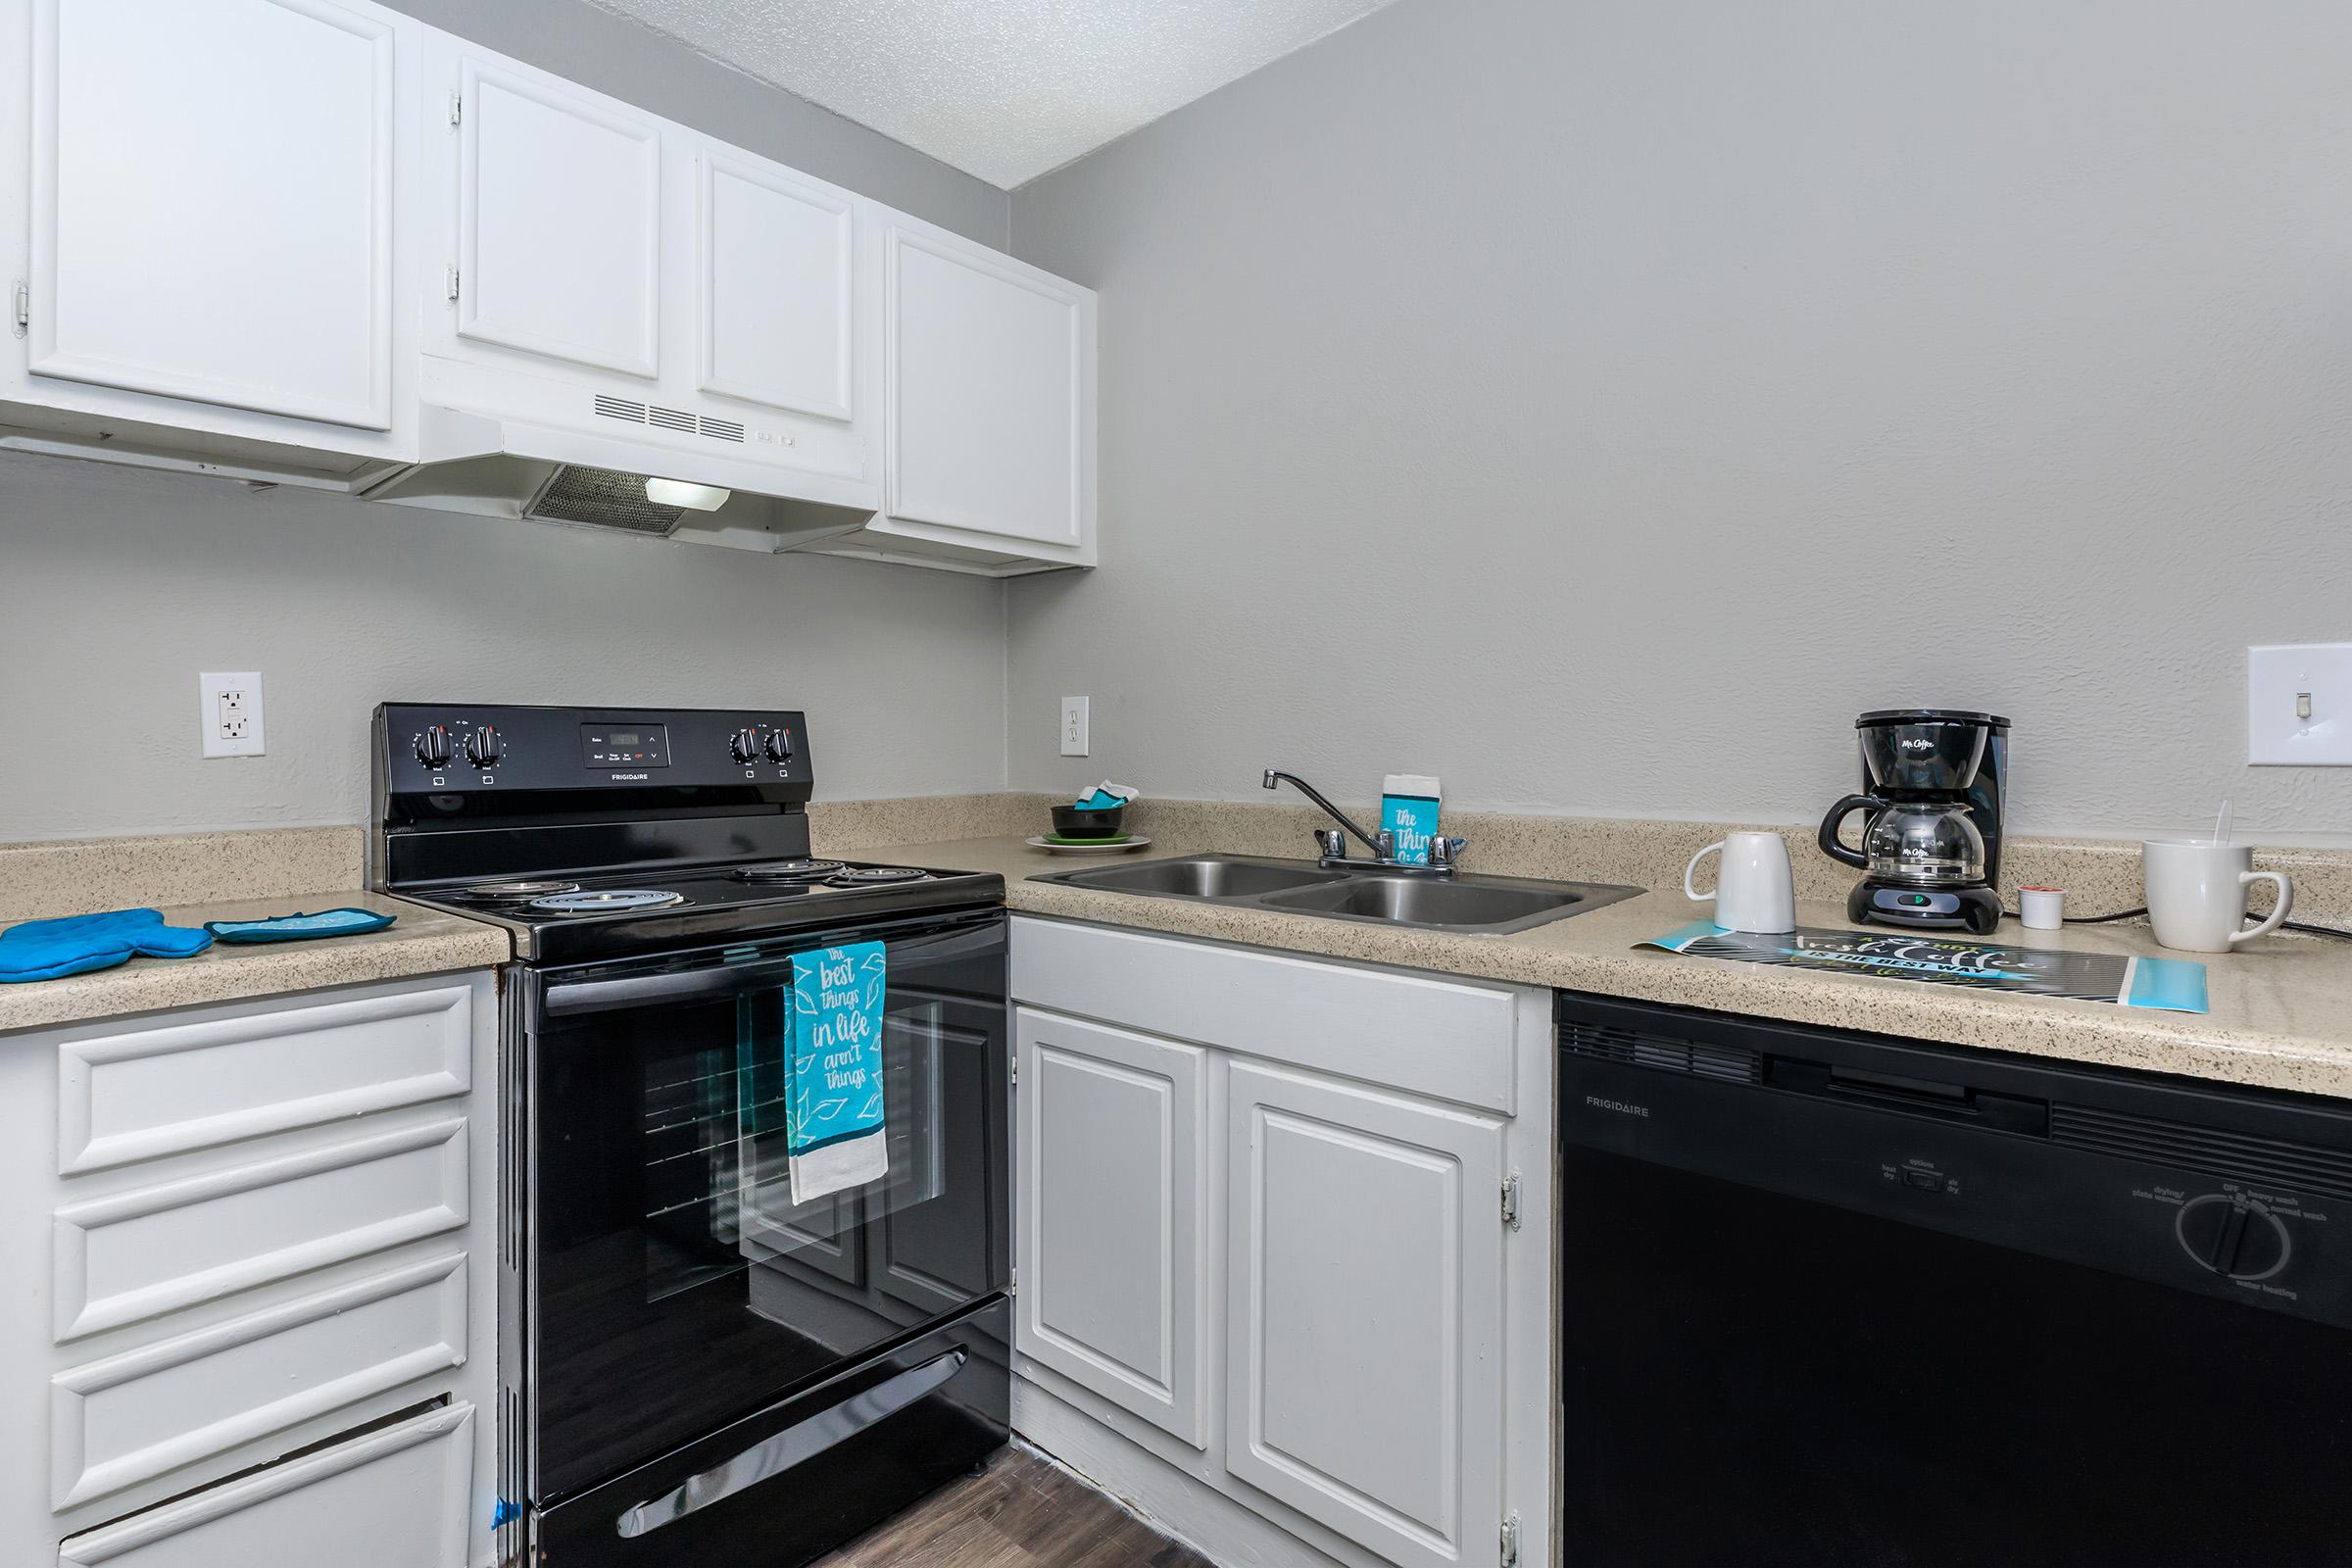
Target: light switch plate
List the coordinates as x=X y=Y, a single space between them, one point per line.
x=1073 y=726
x=228 y=714
x=2299 y=706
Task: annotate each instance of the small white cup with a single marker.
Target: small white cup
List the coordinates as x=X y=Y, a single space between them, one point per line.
x=2041 y=908
x=2197 y=893
x=1752 y=885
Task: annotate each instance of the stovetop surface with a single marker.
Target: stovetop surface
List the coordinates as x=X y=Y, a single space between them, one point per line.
x=698 y=905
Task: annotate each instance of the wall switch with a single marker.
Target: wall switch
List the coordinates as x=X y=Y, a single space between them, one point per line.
x=1073 y=726
x=2299 y=706
x=229 y=714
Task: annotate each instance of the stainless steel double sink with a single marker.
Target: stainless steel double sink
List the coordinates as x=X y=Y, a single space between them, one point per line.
x=1463 y=901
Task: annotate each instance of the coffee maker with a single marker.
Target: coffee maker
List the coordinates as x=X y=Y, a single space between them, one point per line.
x=1932 y=782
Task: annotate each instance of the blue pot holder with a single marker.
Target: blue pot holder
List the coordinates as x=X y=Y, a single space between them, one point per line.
x=44 y=950
x=301 y=927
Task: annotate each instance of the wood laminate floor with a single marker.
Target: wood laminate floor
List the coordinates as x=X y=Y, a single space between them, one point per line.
x=1020 y=1513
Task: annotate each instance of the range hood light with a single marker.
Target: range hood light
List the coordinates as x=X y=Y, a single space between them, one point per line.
x=679 y=492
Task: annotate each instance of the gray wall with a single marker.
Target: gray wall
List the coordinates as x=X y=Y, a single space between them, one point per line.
x=117 y=588
x=121 y=586
x=1599 y=405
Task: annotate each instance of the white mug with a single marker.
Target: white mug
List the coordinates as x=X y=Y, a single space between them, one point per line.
x=1753 y=890
x=2197 y=893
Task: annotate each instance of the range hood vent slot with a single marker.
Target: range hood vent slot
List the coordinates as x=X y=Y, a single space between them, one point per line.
x=602 y=498
x=721 y=429
x=620 y=408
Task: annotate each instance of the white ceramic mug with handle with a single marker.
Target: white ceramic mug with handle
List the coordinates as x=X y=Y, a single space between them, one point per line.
x=1752 y=884
x=2197 y=893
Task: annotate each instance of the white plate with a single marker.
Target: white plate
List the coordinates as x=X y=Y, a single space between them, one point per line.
x=1041 y=841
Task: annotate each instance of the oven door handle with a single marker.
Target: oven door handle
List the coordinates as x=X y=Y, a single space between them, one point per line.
x=795 y=1445
x=567 y=997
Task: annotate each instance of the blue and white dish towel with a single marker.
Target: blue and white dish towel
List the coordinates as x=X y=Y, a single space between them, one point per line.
x=836 y=1141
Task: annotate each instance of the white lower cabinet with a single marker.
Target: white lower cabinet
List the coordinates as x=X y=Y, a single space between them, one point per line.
x=389 y=1498
x=270 y=1294
x=1363 y=1365
x=1111 y=1226
x=1285 y=1245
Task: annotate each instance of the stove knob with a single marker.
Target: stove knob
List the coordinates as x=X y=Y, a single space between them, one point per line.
x=2235 y=1236
x=482 y=746
x=779 y=746
x=745 y=745
x=432 y=748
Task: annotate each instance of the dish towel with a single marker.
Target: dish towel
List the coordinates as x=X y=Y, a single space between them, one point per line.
x=44 y=950
x=836 y=1139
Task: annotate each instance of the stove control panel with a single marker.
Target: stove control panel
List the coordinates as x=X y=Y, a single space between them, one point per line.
x=448 y=749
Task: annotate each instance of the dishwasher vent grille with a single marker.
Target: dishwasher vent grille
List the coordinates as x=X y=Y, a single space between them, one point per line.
x=1667 y=1053
x=2268 y=1163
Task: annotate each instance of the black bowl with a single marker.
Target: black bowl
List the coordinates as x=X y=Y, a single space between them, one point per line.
x=1087 y=822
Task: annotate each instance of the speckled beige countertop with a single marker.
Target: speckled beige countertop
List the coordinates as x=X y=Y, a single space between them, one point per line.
x=422 y=940
x=2281 y=1007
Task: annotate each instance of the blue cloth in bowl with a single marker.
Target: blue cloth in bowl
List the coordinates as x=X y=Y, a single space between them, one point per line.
x=76 y=944
x=1098 y=801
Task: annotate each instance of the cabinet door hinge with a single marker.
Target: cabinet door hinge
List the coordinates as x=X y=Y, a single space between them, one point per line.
x=1013 y=1283
x=1510 y=1201
x=24 y=306
x=457 y=109
x=1510 y=1539
x=453 y=283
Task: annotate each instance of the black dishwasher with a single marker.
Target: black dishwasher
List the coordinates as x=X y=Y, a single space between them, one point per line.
x=1830 y=1298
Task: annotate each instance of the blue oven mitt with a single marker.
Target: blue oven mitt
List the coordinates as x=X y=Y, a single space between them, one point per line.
x=43 y=950
x=301 y=927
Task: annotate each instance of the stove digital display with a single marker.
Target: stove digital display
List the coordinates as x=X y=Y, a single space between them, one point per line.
x=624 y=747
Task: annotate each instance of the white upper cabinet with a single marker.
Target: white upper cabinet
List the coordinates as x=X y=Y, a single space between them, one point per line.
x=776 y=259
x=559 y=220
x=989 y=432
x=201 y=201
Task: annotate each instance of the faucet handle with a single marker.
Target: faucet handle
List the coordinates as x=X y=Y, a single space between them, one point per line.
x=1334 y=842
x=1385 y=842
x=1444 y=854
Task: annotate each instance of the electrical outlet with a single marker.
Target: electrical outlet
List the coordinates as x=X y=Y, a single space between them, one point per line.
x=2299 y=706
x=228 y=714
x=1073 y=726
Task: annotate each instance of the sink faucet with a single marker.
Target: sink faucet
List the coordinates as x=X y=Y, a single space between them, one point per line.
x=1444 y=853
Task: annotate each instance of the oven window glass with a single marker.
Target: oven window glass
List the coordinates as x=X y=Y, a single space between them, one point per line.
x=678 y=1280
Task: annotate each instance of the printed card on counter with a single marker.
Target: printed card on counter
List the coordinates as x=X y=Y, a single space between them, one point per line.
x=2173 y=985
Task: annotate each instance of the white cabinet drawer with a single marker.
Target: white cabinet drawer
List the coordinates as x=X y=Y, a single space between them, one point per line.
x=163 y=1089
x=134 y=1416
x=191 y=1238
x=1441 y=1038
x=391 y=1499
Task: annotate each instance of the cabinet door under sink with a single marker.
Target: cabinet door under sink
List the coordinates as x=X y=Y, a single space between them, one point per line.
x=1112 y=1215
x=1365 y=1312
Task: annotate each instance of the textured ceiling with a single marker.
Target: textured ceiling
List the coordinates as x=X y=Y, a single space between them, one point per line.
x=1005 y=89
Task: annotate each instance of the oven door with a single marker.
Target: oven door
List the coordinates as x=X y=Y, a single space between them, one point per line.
x=671 y=1284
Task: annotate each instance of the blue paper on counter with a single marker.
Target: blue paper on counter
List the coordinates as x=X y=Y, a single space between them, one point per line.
x=301 y=927
x=836 y=1139
x=2173 y=985
x=76 y=944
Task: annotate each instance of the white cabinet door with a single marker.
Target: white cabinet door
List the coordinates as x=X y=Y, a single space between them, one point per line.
x=396 y=1498
x=989 y=394
x=1364 y=1269
x=1110 y=1241
x=777 y=253
x=212 y=203
x=559 y=220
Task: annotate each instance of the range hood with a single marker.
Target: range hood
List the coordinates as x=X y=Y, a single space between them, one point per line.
x=662 y=473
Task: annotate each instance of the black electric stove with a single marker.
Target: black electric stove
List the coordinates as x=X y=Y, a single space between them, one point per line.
x=698 y=1363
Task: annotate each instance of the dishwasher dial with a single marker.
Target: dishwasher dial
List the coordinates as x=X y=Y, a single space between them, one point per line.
x=2233 y=1236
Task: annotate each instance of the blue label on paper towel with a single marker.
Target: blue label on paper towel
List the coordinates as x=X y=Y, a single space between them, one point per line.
x=838 y=997
x=1413 y=819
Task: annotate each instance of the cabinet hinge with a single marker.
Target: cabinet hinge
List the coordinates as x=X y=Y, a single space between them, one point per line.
x=1510 y=1201
x=453 y=283
x=1013 y=1283
x=457 y=109
x=23 y=308
x=1510 y=1539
